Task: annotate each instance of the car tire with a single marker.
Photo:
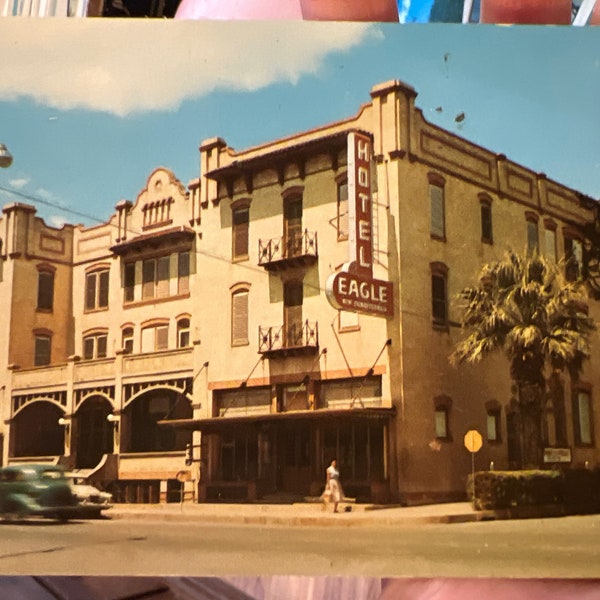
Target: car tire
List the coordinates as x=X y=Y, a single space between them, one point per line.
x=13 y=513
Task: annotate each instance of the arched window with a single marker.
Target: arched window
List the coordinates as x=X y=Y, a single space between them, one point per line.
x=239 y=316
x=95 y=344
x=183 y=332
x=127 y=339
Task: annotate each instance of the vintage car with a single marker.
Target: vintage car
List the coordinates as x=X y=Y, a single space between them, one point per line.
x=36 y=490
x=90 y=499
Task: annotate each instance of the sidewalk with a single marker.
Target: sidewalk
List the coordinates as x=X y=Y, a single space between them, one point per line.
x=301 y=514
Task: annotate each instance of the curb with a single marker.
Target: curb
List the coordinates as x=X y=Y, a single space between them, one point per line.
x=326 y=520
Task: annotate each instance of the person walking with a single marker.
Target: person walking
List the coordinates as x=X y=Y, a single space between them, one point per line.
x=333 y=488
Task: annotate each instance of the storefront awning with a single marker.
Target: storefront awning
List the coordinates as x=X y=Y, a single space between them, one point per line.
x=218 y=423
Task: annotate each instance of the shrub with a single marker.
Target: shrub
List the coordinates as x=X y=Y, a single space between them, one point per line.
x=577 y=490
x=508 y=489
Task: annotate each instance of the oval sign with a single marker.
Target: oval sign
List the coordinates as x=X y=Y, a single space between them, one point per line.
x=473 y=440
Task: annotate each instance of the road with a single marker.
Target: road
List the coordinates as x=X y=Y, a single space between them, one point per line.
x=563 y=547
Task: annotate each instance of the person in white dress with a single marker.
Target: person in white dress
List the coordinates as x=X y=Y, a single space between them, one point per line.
x=333 y=488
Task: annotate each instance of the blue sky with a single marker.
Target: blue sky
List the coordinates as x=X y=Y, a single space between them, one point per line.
x=89 y=110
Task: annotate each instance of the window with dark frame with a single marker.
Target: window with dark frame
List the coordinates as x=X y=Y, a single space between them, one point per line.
x=45 y=299
x=240 y=232
x=442 y=407
x=95 y=346
x=486 y=221
x=127 y=339
x=493 y=424
x=441 y=422
x=129 y=282
x=43 y=350
x=439 y=293
x=96 y=289
x=183 y=273
x=183 y=333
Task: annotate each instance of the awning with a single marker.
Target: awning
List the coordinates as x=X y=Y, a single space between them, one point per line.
x=171 y=235
x=219 y=423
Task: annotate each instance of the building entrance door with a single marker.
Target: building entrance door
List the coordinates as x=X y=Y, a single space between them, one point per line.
x=295 y=458
x=95 y=433
x=292 y=227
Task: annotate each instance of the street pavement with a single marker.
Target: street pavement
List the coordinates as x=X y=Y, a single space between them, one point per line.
x=302 y=514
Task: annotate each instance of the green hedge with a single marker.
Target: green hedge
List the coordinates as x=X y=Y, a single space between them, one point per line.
x=577 y=490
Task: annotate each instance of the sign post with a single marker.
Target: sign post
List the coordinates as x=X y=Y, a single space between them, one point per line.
x=473 y=442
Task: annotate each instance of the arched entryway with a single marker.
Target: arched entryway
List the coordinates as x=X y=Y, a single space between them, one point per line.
x=35 y=430
x=93 y=434
x=143 y=414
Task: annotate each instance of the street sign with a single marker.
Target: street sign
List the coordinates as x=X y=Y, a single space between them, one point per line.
x=473 y=441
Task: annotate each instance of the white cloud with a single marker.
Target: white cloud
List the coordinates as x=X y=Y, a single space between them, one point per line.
x=56 y=221
x=18 y=183
x=67 y=64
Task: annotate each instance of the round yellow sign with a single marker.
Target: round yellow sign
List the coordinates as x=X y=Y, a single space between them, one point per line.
x=473 y=440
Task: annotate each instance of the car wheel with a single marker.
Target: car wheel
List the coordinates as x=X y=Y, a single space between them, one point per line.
x=13 y=513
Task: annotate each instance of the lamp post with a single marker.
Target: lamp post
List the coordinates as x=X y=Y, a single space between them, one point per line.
x=5 y=157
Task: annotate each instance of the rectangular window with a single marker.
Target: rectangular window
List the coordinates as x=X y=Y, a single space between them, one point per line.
x=441 y=423
x=148 y=279
x=550 y=244
x=493 y=426
x=437 y=225
x=183 y=333
x=183 y=273
x=533 y=244
x=129 y=282
x=573 y=258
x=155 y=278
x=127 y=340
x=239 y=318
x=486 y=223
x=94 y=346
x=96 y=290
x=342 y=211
x=438 y=298
x=43 y=346
x=583 y=419
x=45 y=299
x=162 y=277
x=241 y=226
x=155 y=338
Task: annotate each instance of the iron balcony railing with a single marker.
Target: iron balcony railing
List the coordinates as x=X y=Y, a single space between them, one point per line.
x=295 y=338
x=298 y=246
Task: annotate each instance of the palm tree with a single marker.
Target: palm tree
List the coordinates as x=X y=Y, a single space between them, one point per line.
x=525 y=307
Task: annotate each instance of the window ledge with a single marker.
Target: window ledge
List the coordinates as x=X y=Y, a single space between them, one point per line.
x=137 y=303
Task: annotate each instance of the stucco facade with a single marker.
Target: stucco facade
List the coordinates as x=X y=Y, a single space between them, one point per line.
x=198 y=315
